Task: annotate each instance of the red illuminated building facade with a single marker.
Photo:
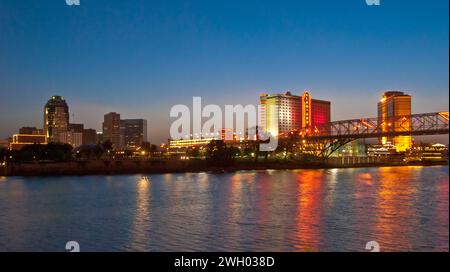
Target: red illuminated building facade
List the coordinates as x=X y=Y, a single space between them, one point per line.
x=315 y=112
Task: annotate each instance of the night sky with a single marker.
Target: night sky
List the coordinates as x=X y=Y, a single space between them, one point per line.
x=140 y=57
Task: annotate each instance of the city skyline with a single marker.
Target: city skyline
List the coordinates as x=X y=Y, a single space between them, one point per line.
x=182 y=49
x=126 y=135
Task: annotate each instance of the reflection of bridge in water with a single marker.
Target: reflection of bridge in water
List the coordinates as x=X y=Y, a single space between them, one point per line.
x=324 y=140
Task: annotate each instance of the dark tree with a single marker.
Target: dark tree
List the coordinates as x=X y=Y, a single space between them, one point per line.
x=107 y=145
x=149 y=148
x=51 y=152
x=3 y=154
x=153 y=148
x=193 y=152
x=89 y=151
x=59 y=152
x=146 y=146
x=128 y=153
x=34 y=152
x=218 y=153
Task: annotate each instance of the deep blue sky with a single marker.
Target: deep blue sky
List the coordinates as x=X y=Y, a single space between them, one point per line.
x=140 y=57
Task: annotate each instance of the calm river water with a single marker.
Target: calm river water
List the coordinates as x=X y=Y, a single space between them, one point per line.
x=401 y=208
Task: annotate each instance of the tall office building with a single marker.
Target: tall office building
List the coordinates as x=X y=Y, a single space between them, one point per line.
x=73 y=135
x=111 y=129
x=134 y=132
x=56 y=118
x=292 y=112
x=391 y=106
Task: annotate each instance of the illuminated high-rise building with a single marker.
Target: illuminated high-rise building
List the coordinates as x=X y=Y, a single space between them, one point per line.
x=391 y=106
x=280 y=113
x=56 y=118
x=283 y=113
x=111 y=129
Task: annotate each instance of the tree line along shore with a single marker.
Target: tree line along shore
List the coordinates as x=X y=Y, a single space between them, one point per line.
x=122 y=167
x=61 y=159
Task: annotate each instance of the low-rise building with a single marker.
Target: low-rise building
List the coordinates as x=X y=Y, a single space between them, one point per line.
x=21 y=140
x=381 y=150
x=189 y=143
x=427 y=153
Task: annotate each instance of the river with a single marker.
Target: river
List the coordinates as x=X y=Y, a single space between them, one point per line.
x=401 y=208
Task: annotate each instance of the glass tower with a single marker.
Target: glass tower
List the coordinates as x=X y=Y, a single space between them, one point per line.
x=394 y=111
x=56 y=118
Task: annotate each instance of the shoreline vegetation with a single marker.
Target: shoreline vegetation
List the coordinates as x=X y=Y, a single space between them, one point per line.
x=57 y=159
x=127 y=167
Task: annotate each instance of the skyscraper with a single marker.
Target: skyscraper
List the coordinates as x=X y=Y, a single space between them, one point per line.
x=391 y=106
x=56 y=118
x=111 y=129
x=134 y=132
x=280 y=113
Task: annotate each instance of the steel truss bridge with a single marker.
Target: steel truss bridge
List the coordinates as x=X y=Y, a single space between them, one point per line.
x=323 y=140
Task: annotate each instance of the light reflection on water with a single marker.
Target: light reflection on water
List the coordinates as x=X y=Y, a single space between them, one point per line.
x=142 y=215
x=402 y=208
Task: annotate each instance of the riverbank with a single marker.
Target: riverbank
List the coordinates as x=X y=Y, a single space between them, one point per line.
x=124 y=167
